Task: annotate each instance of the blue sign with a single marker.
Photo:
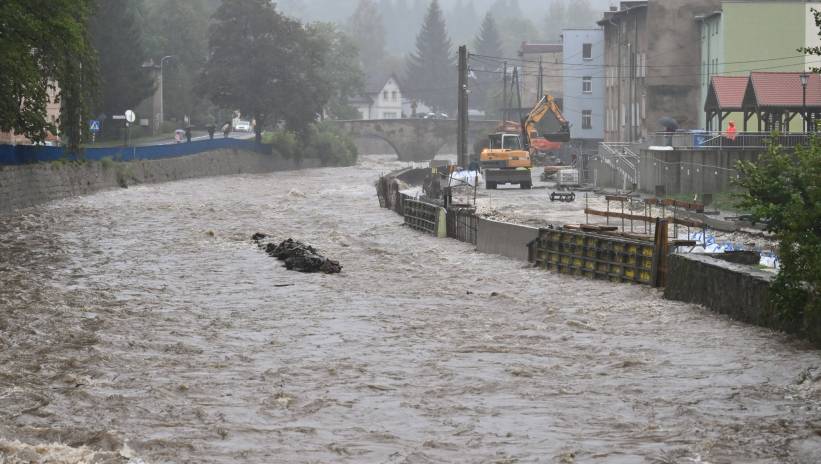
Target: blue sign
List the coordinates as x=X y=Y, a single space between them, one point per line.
x=94 y=125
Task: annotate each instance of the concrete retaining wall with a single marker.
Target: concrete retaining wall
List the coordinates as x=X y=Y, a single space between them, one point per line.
x=30 y=185
x=502 y=238
x=680 y=171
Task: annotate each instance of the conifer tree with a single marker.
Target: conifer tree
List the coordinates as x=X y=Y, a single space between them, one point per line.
x=431 y=71
x=367 y=30
x=487 y=78
x=117 y=35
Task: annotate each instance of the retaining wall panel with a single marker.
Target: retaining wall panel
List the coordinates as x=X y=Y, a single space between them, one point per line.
x=502 y=238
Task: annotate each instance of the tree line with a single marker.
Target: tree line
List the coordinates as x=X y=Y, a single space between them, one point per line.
x=98 y=58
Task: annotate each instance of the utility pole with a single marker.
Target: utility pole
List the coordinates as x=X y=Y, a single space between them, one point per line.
x=462 y=109
x=504 y=92
x=540 y=93
x=515 y=81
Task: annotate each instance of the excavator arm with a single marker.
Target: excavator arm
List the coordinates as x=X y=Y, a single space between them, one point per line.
x=545 y=105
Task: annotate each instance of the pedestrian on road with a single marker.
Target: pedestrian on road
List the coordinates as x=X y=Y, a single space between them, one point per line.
x=226 y=129
x=188 y=134
x=211 y=128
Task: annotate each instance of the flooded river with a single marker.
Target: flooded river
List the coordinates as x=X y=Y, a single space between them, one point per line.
x=145 y=325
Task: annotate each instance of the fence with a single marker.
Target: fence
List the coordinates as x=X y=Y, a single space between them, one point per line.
x=27 y=154
x=463 y=224
x=597 y=256
x=700 y=140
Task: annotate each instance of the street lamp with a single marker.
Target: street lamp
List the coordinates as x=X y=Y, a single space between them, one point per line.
x=805 y=78
x=162 y=98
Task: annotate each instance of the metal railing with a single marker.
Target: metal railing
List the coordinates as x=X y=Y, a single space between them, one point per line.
x=700 y=140
x=620 y=157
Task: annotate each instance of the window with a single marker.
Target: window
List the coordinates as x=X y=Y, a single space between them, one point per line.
x=587 y=119
x=587 y=51
x=511 y=142
x=389 y=115
x=587 y=84
x=385 y=95
x=393 y=95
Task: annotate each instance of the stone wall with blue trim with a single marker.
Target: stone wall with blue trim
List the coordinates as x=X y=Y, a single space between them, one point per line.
x=25 y=185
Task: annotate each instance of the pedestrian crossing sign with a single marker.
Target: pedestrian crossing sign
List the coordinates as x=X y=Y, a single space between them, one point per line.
x=94 y=126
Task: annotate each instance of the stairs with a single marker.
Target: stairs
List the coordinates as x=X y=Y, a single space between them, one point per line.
x=620 y=157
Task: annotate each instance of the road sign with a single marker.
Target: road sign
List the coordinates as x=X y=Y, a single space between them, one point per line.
x=118 y=116
x=130 y=116
x=94 y=125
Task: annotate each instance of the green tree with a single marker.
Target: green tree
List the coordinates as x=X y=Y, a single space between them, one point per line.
x=341 y=68
x=579 y=13
x=784 y=189
x=46 y=54
x=117 y=35
x=366 y=29
x=555 y=20
x=265 y=65
x=431 y=72
x=487 y=80
x=514 y=31
x=180 y=29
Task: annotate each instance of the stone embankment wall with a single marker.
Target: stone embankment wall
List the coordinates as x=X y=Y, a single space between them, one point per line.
x=33 y=184
x=737 y=290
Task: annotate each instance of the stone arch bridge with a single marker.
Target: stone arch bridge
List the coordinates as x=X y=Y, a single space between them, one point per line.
x=416 y=139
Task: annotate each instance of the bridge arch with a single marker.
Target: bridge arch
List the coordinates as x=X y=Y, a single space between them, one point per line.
x=414 y=139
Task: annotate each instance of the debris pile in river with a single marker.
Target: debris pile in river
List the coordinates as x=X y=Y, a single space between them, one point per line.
x=298 y=256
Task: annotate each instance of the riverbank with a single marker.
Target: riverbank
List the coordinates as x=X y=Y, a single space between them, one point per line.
x=33 y=184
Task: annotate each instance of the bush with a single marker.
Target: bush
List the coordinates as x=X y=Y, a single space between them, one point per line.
x=783 y=190
x=284 y=142
x=320 y=141
x=330 y=146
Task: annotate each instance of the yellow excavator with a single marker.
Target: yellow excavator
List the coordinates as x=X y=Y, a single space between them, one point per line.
x=507 y=159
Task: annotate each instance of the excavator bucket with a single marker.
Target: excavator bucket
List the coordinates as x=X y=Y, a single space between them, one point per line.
x=548 y=121
x=562 y=135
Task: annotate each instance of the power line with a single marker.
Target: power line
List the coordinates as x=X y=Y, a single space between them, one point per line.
x=496 y=58
x=668 y=76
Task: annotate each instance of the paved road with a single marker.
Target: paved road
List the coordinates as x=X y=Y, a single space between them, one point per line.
x=199 y=135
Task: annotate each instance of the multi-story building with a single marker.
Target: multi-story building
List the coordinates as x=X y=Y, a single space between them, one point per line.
x=652 y=66
x=754 y=35
x=584 y=91
x=548 y=79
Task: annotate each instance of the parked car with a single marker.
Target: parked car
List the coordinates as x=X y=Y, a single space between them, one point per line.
x=242 y=126
x=434 y=116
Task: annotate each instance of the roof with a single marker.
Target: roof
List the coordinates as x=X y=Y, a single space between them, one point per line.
x=376 y=82
x=781 y=90
x=726 y=92
x=624 y=9
x=533 y=48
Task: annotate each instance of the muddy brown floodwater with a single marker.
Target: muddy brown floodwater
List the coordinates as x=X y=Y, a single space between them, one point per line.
x=144 y=324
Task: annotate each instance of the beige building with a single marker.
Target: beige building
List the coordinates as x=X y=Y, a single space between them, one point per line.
x=550 y=56
x=52 y=113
